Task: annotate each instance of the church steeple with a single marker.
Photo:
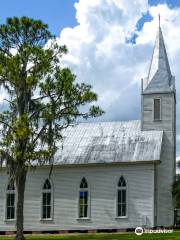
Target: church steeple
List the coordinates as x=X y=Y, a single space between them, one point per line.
x=158 y=113
x=159 y=76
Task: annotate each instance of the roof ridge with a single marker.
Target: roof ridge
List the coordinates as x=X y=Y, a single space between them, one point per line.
x=123 y=121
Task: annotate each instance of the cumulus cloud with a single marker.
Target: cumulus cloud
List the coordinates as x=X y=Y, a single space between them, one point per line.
x=100 y=55
x=97 y=49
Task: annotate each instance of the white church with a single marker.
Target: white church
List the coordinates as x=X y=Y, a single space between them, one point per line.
x=110 y=175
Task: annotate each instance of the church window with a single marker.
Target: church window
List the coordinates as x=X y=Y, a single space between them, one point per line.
x=157 y=109
x=10 y=201
x=47 y=200
x=122 y=198
x=83 y=199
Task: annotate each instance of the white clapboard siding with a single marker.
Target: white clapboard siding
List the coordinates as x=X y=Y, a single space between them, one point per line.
x=166 y=170
x=102 y=182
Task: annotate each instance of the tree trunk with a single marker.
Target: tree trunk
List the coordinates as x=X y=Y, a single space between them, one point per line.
x=20 y=184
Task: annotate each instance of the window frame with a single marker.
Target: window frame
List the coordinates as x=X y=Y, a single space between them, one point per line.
x=156 y=120
x=88 y=201
x=117 y=190
x=52 y=200
x=15 y=202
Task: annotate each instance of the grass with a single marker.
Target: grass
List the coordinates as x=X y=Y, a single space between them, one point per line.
x=116 y=236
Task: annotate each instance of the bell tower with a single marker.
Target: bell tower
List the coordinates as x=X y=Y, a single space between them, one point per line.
x=158 y=112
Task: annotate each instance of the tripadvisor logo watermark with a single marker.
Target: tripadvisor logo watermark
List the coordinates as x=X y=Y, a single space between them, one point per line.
x=139 y=231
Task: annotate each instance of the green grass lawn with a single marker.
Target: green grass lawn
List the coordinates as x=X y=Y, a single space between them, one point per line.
x=120 y=236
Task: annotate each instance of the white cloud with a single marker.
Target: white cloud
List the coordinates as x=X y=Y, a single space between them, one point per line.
x=100 y=55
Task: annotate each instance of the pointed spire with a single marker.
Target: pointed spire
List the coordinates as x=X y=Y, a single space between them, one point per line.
x=159 y=77
x=159 y=20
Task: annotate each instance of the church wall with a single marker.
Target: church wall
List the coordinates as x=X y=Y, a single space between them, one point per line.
x=102 y=181
x=166 y=170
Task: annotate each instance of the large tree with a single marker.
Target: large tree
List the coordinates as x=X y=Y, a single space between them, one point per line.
x=42 y=99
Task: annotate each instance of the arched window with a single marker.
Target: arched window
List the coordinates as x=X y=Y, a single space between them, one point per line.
x=122 y=198
x=83 y=199
x=10 y=201
x=47 y=200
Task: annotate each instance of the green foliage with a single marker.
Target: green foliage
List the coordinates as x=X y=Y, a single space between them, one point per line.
x=43 y=97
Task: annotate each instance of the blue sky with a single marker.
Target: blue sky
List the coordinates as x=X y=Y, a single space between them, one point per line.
x=171 y=3
x=58 y=14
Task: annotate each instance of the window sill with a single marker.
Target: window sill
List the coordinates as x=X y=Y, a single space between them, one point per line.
x=123 y=217
x=10 y=220
x=83 y=219
x=157 y=120
x=46 y=220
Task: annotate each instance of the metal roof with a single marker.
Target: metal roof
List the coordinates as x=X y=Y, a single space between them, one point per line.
x=108 y=142
x=159 y=77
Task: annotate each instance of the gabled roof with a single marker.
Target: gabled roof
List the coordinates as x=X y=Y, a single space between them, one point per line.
x=109 y=142
x=159 y=77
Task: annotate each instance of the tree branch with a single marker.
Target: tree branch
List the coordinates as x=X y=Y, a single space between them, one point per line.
x=7 y=125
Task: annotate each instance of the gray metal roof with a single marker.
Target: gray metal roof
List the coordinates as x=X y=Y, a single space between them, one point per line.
x=108 y=142
x=159 y=77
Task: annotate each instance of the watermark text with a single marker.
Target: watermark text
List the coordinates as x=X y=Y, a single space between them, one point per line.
x=139 y=231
